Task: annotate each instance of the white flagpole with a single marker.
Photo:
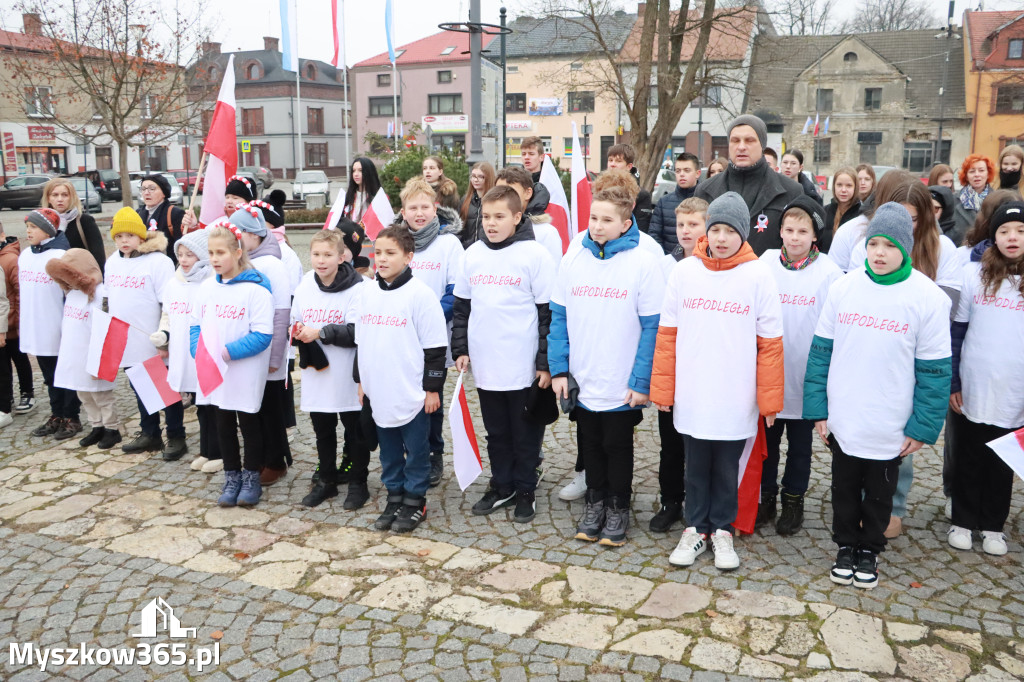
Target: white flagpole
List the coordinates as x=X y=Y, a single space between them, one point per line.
x=298 y=94
x=347 y=105
x=394 y=76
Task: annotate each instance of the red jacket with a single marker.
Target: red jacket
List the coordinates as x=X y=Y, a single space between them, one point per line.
x=9 y=252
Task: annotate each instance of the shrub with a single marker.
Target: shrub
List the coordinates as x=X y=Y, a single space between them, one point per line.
x=409 y=163
x=302 y=215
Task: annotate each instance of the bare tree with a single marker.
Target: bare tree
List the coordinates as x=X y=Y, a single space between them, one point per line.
x=893 y=15
x=109 y=68
x=804 y=17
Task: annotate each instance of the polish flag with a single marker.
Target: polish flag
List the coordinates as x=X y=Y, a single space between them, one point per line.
x=221 y=148
x=755 y=451
x=107 y=340
x=817 y=128
x=150 y=383
x=807 y=126
x=379 y=215
x=580 y=186
x=338 y=21
x=210 y=365
x=334 y=215
x=466 y=450
x=1011 y=449
x=558 y=207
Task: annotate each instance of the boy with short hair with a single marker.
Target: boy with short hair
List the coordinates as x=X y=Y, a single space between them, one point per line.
x=719 y=348
x=894 y=320
x=623 y=156
x=605 y=304
x=663 y=220
x=543 y=231
x=772 y=158
x=509 y=277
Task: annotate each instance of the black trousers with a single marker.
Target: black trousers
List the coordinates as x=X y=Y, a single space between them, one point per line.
x=513 y=443
x=672 y=466
x=605 y=439
x=6 y=378
x=982 y=481
x=797 y=474
x=64 y=403
x=209 y=444
x=22 y=365
x=277 y=454
x=229 y=422
x=289 y=400
x=712 y=483
x=325 y=426
x=948 y=451
x=862 y=492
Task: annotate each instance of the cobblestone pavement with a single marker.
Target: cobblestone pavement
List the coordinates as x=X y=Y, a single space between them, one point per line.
x=88 y=538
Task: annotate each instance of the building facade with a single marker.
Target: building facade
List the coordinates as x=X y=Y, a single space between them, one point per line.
x=994 y=69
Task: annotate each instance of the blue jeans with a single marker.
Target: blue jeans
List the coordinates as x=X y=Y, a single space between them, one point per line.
x=405 y=456
x=436 y=418
x=797 y=474
x=906 y=478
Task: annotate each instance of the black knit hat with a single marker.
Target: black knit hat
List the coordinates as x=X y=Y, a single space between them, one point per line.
x=352 y=235
x=1010 y=212
x=812 y=208
x=161 y=182
x=239 y=186
x=270 y=214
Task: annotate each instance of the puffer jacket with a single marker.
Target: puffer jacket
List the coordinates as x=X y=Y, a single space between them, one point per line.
x=663 y=219
x=9 y=252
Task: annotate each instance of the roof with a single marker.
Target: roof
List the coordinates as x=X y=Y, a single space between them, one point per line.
x=779 y=60
x=272 y=69
x=434 y=49
x=730 y=35
x=28 y=42
x=532 y=37
x=981 y=25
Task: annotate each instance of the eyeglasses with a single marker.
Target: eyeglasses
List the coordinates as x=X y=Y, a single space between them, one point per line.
x=149 y=188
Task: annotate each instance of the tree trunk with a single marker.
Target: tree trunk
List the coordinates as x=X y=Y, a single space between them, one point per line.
x=126 y=185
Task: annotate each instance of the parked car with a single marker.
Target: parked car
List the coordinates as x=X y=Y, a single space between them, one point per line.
x=665 y=183
x=176 y=197
x=311 y=182
x=262 y=174
x=107 y=182
x=24 y=191
x=92 y=198
x=187 y=179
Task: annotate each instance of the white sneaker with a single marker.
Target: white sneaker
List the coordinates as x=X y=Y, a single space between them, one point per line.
x=726 y=558
x=5 y=419
x=993 y=542
x=949 y=509
x=197 y=463
x=576 y=489
x=691 y=545
x=960 y=538
x=213 y=466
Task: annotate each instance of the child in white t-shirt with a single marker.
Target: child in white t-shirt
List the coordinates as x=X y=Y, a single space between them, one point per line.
x=604 y=318
x=803 y=275
x=894 y=320
x=544 y=232
x=501 y=324
x=719 y=359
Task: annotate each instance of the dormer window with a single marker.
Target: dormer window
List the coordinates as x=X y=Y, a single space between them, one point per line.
x=310 y=72
x=850 y=57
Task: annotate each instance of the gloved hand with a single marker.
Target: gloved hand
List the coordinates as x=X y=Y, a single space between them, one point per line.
x=159 y=339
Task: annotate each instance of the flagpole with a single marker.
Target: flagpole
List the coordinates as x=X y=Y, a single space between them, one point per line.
x=195 y=188
x=394 y=80
x=298 y=94
x=347 y=105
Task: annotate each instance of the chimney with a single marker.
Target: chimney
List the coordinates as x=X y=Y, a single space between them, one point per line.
x=210 y=49
x=640 y=7
x=270 y=44
x=33 y=25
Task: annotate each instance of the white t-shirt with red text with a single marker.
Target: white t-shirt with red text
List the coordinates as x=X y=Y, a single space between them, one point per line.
x=135 y=291
x=75 y=329
x=42 y=302
x=179 y=299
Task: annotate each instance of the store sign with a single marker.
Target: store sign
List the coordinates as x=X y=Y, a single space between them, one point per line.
x=10 y=157
x=448 y=123
x=41 y=134
x=518 y=125
x=545 y=106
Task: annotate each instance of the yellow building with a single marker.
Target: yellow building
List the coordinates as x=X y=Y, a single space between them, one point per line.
x=994 y=69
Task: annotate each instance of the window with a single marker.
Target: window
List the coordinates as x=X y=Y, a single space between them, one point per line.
x=711 y=97
x=869 y=154
x=346 y=119
x=445 y=104
x=252 y=121
x=38 y=101
x=314 y=121
x=444 y=76
x=872 y=99
x=581 y=101
x=584 y=145
x=252 y=72
x=824 y=100
x=652 y=97
x=310 y=72
x=509 y=68
x=546 y=141
x=823 y=150
x=515 y=102
x=1015 y=49
x=917 y=156
x=384 y=106
x=576 y=66
x=850 y=57
x=316 y=155
x=104 y=158
x=448 y=50
x=148 y=105
x=383 y=80
x=1010 y=99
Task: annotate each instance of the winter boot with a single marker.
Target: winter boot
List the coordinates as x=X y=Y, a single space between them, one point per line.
x=111 y=437
x=592 y=521
x=93 y=437
x=232 y=484
x=792 y=517
x=321 y=491
x=616 y=523
x=667 y=516
x=358 y=495
x=251 y=490
x=766 y=510
x=436 y=468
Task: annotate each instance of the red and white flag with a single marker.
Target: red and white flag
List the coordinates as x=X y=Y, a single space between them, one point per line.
x=150 y=383
x=107 y=340
x=210 y=365
x=580 y=186
x=464 y=446
x=379 y=215
x=221 y=147
x=338 y=24
x=1011 y=449
x=755 y=451
x=334 y=215
x=558 y=206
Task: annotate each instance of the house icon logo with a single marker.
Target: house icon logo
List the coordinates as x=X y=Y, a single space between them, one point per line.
x=158 y=614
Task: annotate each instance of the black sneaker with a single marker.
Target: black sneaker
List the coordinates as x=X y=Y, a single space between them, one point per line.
x=589 y=527
x=344 y=469
x=69 y=428
x=616 y=523
x=526 y=507
x=143 y=442
x=26 y=405
x=111 y=437
x=866 y=575
x=320 y=492
x=436 y=469
x=843 y=569
x=315 y=478
x=48 y=428
x=176 y=448
x=792 y=517
x=666 y=517
x=93 y=437
x=766 y=510
x=358 y=495
x=387 y=517
x=492 y=501
x=410 y=515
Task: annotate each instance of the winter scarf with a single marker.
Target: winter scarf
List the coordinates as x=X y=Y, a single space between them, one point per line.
x=971 y=200
x=799 y=264
x=66 y=218
x=898 y=275
x=426 y=235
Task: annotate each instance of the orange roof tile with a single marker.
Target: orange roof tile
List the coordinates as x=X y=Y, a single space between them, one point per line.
x=429 y=50
x=980 y=26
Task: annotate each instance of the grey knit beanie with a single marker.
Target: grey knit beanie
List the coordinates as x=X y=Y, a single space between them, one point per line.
x=754 y=122
x=893 y=222
x=730 y=209
x=196 y=241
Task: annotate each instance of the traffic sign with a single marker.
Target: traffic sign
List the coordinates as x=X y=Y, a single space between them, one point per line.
x=246 y=146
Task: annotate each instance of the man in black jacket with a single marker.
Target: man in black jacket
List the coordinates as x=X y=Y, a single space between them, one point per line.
x=765 y=192
x=623 y=156
x=663 y=218
x=157 y=213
